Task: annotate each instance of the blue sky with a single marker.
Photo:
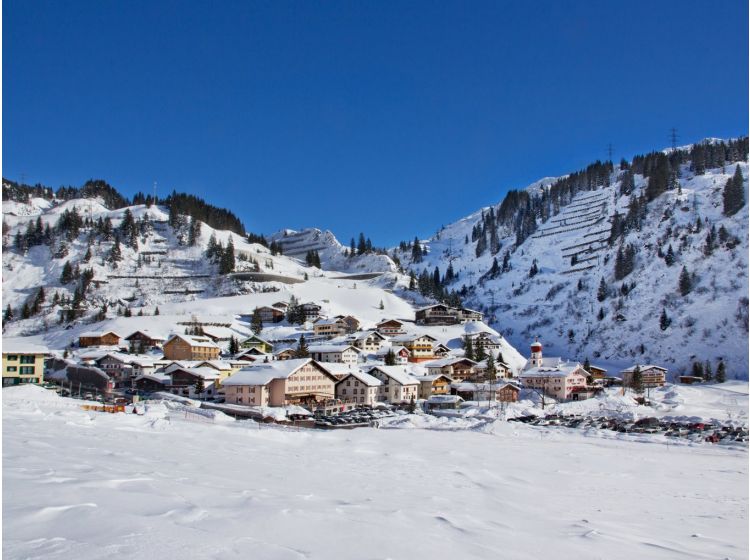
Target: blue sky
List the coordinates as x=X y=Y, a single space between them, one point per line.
x=386 y=117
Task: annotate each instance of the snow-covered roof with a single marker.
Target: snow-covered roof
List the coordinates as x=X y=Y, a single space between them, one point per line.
x=410 y=337
x=330 y=348
x=147 y=332
x=263 y=373
x=366 y=334
x=444 y=399
x=15 y=346
x=97 y=334
x=398 y=374
x=433 y=377
x=476 y=327
x=642 y=367
x=199 y=341
x=447 y=362
x=396 y=349
x=219 y=365
x=365 y=378
x=562 y=370
x=162 y=378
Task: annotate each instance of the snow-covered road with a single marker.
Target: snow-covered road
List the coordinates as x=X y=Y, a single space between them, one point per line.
x=89 y=485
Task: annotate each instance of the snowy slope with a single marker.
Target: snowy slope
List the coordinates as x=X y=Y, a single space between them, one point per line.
x=331 y=251
x=706 y=325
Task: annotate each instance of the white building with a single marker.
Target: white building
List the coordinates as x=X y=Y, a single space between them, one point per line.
x=334 y=353
x=398 y=386
x=359 y=387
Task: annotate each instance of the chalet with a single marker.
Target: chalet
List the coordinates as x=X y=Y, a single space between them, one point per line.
x=498 y=392
x=253 y=354
x=150 y=382
x=144 y=341
x=429 y=385
x=358 y=387
x=502 y=370
x=368 y=341
x=218 y=334
x=390 y=327
x=123 y=368
x=186 y=347
x=285 y=354
x=444 y=402
x=458 y=369
x=440 y=350
x=270 y=314
x=193 y=382
x=438 y=314
x=352 y=323
x=99 y=338
x=653 y=376
x=280 y=305
x=597 y=372
x=401 y=352
x=280 y=383
x=690 y=379
x=441 y=314
x=418 y=345
x=489 y=342
x=334 y=353
x=257 y=342
x=311 y=311
x=23 y=362
x=330 y=328
x=397 y=386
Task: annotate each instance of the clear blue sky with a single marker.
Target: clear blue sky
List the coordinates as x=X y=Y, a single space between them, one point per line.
x=386 y=117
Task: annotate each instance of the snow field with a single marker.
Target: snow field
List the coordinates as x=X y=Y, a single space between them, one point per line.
x=89 y=485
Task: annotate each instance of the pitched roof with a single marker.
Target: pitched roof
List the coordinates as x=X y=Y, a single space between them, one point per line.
x=647 y=366
x=397 y=373
x=11 y=346
x=365 y=378
x=146 y=332
x=447 y=362
x=97 y=334
x=330 y=348
x=200 y=341
x=264 y=372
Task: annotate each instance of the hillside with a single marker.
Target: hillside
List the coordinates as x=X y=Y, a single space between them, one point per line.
x=573 y=249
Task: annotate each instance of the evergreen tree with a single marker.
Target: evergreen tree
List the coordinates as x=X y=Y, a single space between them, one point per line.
x=601 y=293
x=636 y=381
x=412 y=405
x=469 y=349
x=8 y=316
x=479 y=353
x=416 y=251
x=256 y=324
x=115 y=254
x=194 y=232
x=734 y=193
x=601 y=314
x=67 y=273
x=87 y=256
x=361 y=244
x=234 y=345
x=708 y=374
x=721 y=372
x=382 y=305
x=664 y=320
x=390 y=358
x=534 y=269
x=301 y=351
x=669 y=257
x=226 y=264
x=199 y=387
x=586 y=364
x=697 y=369
x=127 y=312
x=685 y=282
x=156 y=311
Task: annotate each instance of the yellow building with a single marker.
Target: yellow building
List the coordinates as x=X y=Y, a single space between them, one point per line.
x=23 y=363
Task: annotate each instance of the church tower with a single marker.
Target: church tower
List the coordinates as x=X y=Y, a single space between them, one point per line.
x=535 y=360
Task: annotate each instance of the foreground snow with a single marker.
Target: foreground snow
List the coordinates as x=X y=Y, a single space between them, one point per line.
x=91 y=485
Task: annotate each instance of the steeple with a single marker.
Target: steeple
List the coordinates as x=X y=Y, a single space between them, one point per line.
x=535 y=359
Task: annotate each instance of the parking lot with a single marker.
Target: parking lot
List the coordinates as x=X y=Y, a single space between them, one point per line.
x=693 y=431
x=352 y=419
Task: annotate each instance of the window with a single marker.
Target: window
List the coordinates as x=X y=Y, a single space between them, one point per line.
x=11 y=368
x=27 y=370
x=12 y=357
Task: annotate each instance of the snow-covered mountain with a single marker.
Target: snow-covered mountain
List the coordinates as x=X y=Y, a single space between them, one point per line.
x=333 y=255
x=573 y=254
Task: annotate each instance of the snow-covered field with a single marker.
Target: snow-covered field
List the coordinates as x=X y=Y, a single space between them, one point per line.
x=91 y=485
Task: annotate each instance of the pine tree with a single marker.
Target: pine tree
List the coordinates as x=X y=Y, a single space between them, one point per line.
x=479 y=353
x=534 y=269
x=697 y=369
x=412 y=405
x=67 y=273
x=8 y=316
x=361 y=244
x=256 y=324
x=156 y=311
x=708 y=374
x=664 y=320
x=469 y=349
x=669 y=257
x=301 y=351
x=390 y=357
x=734 y=193
x=586 y=364
x=601 y=314
x=721 y=372
x=127 y=312
x=636 y=381
x=685 y=282
x=87 y=256
x=601 y=293
x=382 y=305
x=199 y=386
x=194 y=232
x=115 y=254
x=226 y=264
x=234 y=345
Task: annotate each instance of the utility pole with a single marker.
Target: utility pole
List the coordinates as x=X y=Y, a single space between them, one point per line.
x=609 y=151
